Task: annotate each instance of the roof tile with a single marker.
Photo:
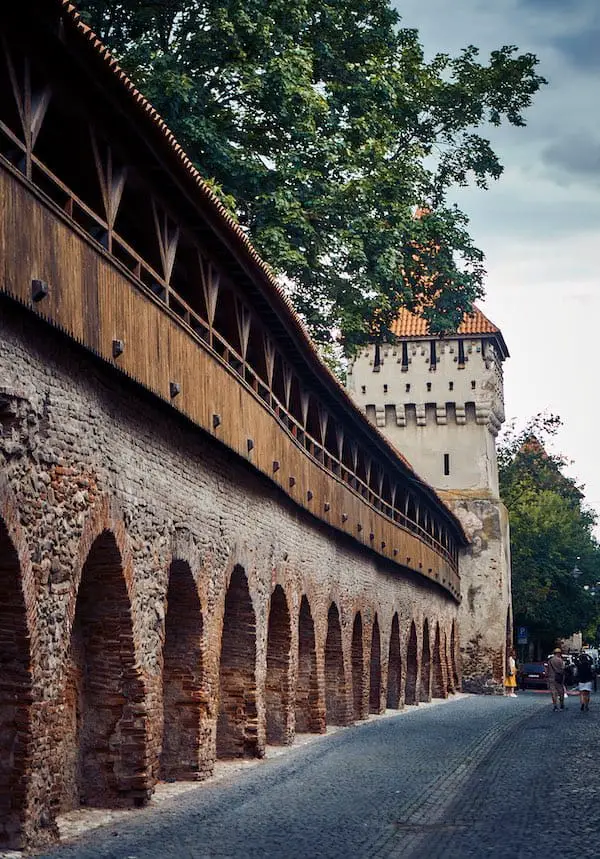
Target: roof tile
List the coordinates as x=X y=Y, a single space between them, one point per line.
x=410 y=324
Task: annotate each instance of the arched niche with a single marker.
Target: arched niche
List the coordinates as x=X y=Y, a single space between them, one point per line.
x=237 y=722
x=184 y=696
x=394 y=683
x=277 y=684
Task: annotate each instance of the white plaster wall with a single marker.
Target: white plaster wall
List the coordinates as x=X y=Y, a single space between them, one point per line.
x=472 y=455
x=427 y=412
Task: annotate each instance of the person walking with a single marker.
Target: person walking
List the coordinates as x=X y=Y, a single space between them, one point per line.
x=556 y=679
x=585 y=679
x=510 y=680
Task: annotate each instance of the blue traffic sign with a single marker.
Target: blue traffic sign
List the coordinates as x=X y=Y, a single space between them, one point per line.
x=522 y=635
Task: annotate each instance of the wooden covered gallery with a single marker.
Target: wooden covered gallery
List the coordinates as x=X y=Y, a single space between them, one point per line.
x=204 y=546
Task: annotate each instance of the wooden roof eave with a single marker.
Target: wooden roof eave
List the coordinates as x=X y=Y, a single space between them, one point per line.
x=150 y=135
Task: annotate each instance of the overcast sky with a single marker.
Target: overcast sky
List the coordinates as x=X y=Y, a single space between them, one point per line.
x=539 y=225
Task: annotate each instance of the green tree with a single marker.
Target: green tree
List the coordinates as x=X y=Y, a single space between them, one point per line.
x=323 y=126
x=551 y=535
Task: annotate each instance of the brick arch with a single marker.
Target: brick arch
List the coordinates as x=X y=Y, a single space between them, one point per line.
x=425 y=694
x=412 y=666
x=310 y=717
x=375 y=669
x=357 y=667
x=17 y=624
x=453 y=661
x=438 y=685
x=335 y=677
x=104 y=517
x=183 y=686
x=394 y=682
x=277 y=684
x=105 y=730
x=446 y=652
x=237 y=721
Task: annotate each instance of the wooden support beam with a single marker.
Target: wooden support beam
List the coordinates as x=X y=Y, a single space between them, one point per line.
x=244 y=320
x=211 y=279
x=323 y=421
x=339 y=436
x=304 y=402
x=111 y=178
x=287 y=382
x=32 y=105
x=269 y=358
x=167 y=233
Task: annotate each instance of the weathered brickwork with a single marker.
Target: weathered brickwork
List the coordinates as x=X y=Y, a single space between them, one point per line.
x=161 y=603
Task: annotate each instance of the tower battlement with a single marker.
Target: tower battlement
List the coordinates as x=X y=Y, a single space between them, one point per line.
x=421 y=391
x=440 y=401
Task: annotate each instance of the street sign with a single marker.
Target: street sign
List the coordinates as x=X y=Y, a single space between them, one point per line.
x=522 y=635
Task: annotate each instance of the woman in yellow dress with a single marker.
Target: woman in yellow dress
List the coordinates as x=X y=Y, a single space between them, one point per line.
x=510 y=681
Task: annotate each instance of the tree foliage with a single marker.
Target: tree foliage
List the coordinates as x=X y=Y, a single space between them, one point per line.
x=323 y=125
x=551 y=535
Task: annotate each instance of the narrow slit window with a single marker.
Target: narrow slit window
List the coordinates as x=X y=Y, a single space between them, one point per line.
x=473 y=384
x=408 y=387
x=428 y=386
x=432 y=355
x=377 y=357
x=446 y=464
x=461 y=353
x=450 y=386
x=404 y=364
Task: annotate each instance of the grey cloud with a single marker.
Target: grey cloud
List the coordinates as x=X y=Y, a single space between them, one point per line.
x=581 y=50
x=560 y=5
x=576 y=154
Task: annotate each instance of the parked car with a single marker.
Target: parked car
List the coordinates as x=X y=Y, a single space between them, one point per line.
x=532 y=675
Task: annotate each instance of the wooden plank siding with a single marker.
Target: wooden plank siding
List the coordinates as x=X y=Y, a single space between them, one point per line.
x=95 y=300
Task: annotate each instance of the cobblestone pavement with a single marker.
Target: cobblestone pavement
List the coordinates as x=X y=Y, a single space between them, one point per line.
x=473 y=777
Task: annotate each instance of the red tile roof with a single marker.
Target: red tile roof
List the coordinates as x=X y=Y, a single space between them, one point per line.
x=474 y=324
x=411 y=324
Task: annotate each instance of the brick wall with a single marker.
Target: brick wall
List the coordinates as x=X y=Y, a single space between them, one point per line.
x=167 y=603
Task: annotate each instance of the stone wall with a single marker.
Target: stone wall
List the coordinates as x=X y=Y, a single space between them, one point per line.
x=485 y=613
x=167 y=603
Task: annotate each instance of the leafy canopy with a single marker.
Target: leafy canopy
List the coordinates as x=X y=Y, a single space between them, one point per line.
x=551 y=535
x=322 y=126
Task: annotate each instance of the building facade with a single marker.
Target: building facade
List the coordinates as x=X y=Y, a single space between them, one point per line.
x=440 y=401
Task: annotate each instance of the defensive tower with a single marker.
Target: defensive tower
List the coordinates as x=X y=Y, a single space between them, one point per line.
x=440 y=401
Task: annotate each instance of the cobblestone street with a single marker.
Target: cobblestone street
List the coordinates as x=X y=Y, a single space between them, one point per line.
x=477 y=776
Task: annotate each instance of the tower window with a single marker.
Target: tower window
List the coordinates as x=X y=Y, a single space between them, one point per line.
x=363 y=389
x=432 y=355
x=377 y=362
x=404 y=365
x=408 y=387
x=473 y=384
x=446 y=464
x=461 y=354
x=428 y=386
x=450 y=386
x=385 y=389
